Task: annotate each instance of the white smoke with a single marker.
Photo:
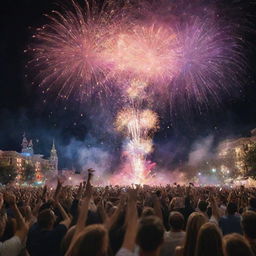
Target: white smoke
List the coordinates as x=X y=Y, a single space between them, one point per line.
x=201 y=150
x=89 y=154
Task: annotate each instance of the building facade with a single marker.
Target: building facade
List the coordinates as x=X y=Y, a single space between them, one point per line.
x=234 y=150
x=41 y=167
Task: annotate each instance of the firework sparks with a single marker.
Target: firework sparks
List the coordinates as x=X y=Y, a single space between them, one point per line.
x=68 y=52
x=137 y=124
x=147 y=52
x=211 y=62
x=129 y=119
x=192 y=59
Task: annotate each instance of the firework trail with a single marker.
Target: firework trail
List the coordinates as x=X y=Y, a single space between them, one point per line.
x=137 y=125
x=157 y=48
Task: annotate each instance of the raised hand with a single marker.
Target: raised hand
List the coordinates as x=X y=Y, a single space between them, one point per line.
x=79 y=191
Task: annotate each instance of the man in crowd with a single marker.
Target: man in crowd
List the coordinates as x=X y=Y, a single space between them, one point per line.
x=231 y=223
x=175 y=237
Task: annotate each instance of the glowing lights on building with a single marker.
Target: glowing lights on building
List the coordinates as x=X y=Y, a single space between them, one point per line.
x=42 y=167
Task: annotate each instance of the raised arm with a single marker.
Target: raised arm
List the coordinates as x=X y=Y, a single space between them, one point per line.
x=66 y=219
x=83 y=213
x=22 y=227
x=215 y=210
x=131 y=221
x=112 y=220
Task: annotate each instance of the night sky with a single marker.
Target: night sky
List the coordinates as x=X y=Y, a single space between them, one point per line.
x=74 y=125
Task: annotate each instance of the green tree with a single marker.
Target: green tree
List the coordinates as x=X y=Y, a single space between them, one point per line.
x=7 y=173
x=250 y=160
x=28 y=174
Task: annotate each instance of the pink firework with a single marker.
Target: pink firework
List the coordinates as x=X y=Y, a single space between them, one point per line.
x=148 y=52
x=211 y=62
x=68 y=51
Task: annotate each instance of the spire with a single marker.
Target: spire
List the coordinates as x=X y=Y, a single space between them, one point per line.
x=53 y=147
x=53 y=158
x=24 y=143
x=53 y=144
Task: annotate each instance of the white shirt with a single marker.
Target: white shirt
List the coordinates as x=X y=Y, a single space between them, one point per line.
x=126 y=252
x=11 y=247
x=171 y=241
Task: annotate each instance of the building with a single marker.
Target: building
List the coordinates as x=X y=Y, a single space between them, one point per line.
x=42 y=167
x=234 y=150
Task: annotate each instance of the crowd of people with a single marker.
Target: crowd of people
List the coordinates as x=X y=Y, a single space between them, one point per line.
x=127 y=221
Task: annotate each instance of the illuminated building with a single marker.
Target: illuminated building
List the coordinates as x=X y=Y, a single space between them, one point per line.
x=41 y=166
x=234 y=150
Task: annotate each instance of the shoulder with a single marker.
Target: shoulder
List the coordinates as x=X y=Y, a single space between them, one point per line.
x=11 y=247
x=125 y=252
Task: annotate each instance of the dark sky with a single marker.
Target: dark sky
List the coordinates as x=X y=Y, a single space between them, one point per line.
x=22 y=108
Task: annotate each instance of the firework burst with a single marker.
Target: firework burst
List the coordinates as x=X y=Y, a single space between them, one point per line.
x=147 y=52
x=211 y=62
x=85 y=51
x=68 y=51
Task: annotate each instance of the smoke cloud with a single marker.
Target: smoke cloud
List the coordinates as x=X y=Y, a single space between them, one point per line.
x=201 y=150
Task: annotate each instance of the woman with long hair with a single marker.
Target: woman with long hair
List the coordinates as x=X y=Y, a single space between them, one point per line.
x=209 y=241
x=92 y=241
x=195 y=221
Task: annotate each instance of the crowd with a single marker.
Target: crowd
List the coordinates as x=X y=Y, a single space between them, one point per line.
x=127 y=221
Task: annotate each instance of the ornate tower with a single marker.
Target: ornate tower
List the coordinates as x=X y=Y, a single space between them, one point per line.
x=30 y=147
x=27 y=147
x=24 y=144
x=53 y=158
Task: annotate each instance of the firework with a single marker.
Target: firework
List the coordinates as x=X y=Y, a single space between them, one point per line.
x=184 y=56
x=136 y=89
x=130 y=118
x=68 y=52
x=147 y=52
x=211 y=62
x=137 y=125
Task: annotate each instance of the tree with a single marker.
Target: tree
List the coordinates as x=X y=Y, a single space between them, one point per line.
x=250 y=160
x=28 y=174
x=7 y=173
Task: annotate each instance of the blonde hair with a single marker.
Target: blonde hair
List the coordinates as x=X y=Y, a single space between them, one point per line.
x=92 y=241
x=195 y=221
x=209 y=241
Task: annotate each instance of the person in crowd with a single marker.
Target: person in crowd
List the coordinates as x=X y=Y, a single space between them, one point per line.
x=45 y=236
x=236 y=245
x=93 y=241
x=117 y=220
x=146 y=237
x=175 y=237
x=14 y=245
x=249 y=228
x=195 y=221
x=231 y=223
x=209 y=241
x=202 y=207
